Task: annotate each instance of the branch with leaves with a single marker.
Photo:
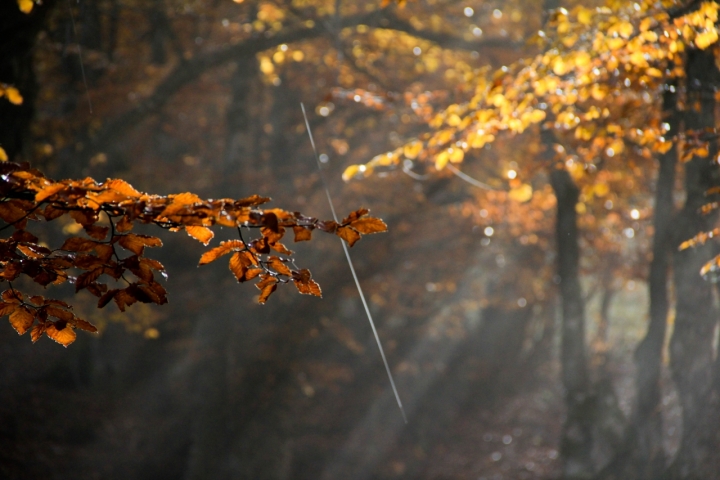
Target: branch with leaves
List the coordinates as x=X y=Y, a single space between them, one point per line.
x=107 y=212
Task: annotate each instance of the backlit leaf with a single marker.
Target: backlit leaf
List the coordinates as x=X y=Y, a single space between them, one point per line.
x=61 y=332
x=136 y=243
x=369 y=225
x=201 y=234
x=302 y=234
x=224 y=248
x=21 y=320
x=276 y=264
x=267 y=286
x=305 y=284
x=348 y=234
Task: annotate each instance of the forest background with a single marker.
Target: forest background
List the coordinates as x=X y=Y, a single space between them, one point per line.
x=537 y=187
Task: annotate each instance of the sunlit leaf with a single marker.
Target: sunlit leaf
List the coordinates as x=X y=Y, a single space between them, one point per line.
x=201 y=234
x=21 y=320
x=61 y=332
x=224 y=248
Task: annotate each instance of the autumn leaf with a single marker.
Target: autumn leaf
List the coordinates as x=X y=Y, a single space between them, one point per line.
x=3 y=155
x=13 y=95
x=121 y=186
x=348 y=234
x=201 y=234
x=239 y=263
x=369 y=225
x=78 y=244
x=267 y=286
x=37 y=332
x=305 y=284
x=25 y=6
x=224 y=248
x=136 y=243
x=7 y=308
x=276 y=264
x=302 y=234
x=21 y=320
x=61 y=332
x=49 y=191
x=355 y=216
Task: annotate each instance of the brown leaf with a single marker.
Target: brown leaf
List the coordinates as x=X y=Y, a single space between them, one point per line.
x=37 y=332
x=348 y=234
x=96 y=231
x=253 y=272
x=354 y=216
x=29 y=252
x=124 y=225
x=224 y=248
x=61 y=332
x=11 y=211
x=77 y=244
x=84 y=217
x=267 y=286
x=51 y=212
x=7 y=308
x=107 y=297
x=85 y=325
x=369 y=225
x=305 y=284
x=239 y=263
x=59 y=313
x=87 y=278
x=124 y=298
x=276 y=264
x=201 y=234
x=21 y=320
x=137 y=243
x=252 y=201
x=12 y=296
x=302 y=234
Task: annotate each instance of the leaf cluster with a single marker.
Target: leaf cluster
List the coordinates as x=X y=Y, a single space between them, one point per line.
x=110 y=262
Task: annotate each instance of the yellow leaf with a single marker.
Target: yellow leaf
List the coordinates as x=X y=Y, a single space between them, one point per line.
x=442 y=159
x=26 y=6
x=456 y=155
x=521 y=194
x=350 y=172
x=705 y=39
x=3 y=155
x=13 y=95
x=412 y=150
x=585 y=16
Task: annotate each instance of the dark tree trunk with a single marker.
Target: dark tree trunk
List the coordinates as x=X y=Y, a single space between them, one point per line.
x=646 y=435
x=17 y=39
x=576 y=443
x=691 y=346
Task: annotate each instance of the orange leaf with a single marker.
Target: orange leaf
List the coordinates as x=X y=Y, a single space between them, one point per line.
x=369 y=225
x=85 y=325
x=267 y=286
x=124 y=225
x=354 y=216
x=61 y=332
x=7 y=308
x=348 y=234
x=239 y=263
x=48 y=191
x=276 y=264
x=305 y=284
x=37 y=332
x=136 y=243
x=201 y=234
x=302 y=233
x=224 y=248
x=123 y=187
x=21 y=320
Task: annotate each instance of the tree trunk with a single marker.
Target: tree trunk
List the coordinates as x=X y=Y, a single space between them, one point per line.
x=576 y=443
x=691 y=346
x=646 y=444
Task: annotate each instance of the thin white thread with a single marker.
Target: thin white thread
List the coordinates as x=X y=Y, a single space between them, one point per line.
x=352 y=269
x=469 y=179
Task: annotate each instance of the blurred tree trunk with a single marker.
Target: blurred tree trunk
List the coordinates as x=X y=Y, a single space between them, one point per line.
x=691 y=346
x=645 y=438
x=576 y=442
x=18 y=32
